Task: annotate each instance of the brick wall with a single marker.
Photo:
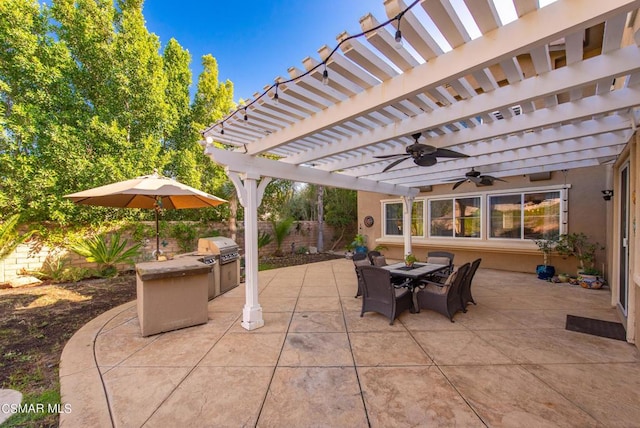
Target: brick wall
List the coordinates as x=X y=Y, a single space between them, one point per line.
x=26 y=257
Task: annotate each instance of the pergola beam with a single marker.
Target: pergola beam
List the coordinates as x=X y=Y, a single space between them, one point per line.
x=533 y=29
x=247 y=164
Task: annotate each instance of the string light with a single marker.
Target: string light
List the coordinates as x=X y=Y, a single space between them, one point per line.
x=399 y=33
x=325 y=73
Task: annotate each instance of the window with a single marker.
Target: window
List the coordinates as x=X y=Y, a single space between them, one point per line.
x=393 y=218
x=455 y=218
x=525 y=215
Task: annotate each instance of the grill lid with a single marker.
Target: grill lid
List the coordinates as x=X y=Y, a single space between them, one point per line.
x=217 y=245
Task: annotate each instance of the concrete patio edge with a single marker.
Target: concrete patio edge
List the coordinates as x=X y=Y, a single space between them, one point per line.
x=81 y=384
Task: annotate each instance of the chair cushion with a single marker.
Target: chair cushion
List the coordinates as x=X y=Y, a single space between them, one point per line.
x=435 y=289
x=363 y=262
x=438 y=260
x=379 y=261
x=450 y=279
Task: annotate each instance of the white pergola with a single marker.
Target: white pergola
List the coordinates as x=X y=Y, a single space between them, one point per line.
x=555 y=89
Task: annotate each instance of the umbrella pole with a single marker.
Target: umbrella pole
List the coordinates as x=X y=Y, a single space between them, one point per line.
x=157 y=236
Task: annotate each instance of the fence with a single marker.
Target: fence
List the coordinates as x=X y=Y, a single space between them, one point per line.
x=25 y=258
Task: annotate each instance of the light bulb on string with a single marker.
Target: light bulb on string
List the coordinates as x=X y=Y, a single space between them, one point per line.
x=245 y=114
x=325 y=73
x=222 y=129
x=399 y=34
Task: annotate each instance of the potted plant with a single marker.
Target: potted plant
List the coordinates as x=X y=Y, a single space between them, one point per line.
x=545 y=270
x=360 y=243
x=579 y=246
x=409 y=260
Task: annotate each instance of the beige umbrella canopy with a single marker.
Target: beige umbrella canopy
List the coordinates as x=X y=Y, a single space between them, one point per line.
x=149 y=191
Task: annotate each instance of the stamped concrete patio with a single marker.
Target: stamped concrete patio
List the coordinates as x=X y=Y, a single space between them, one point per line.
x=506 y=362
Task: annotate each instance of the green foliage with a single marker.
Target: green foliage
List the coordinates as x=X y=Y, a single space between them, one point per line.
x=281 y=230
x=302 y=250
x=87 y=99
x=10 y=238
x=264 y=238
x=579 y=246
x=47 y=398
x=410 y=259
x=106 y=254
x=57 y=270
x=186 y=236
x=546 y=247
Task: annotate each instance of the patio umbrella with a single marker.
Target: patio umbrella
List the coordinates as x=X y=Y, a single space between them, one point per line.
x=149 y=191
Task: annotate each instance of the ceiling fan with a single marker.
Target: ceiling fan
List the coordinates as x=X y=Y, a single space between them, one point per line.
x=478 y=178
x=422 y=154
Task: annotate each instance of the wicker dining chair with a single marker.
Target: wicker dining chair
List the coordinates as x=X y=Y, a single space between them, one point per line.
x=441 y=258
x=465 y=289
x=443 y=298
x=379 y=294
x=356 y=263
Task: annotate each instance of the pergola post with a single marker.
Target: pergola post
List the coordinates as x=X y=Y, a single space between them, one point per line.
x=250 y=196
x=407 y=207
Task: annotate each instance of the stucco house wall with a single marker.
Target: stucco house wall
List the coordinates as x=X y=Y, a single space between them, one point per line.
x=587 y=212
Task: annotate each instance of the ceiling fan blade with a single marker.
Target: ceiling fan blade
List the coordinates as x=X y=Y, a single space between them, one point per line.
x=426 y=160
x=455 y=186
x=485 y=180
x=498 y=179
x=394 y=163
x=446 y=153
x=390 y=156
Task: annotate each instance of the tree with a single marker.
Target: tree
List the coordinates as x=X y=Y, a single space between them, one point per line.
x=341 y=211
x=10 y=237
x=86 y=99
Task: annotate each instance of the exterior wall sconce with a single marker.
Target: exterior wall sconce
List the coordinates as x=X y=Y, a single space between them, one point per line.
x=607 y=194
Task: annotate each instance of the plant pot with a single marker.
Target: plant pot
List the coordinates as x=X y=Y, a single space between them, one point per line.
x=545 y=271
x=590 y=281
x=563 y=277
x=361 y=249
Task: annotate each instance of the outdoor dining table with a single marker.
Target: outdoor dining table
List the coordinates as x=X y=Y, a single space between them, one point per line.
x=412 y=276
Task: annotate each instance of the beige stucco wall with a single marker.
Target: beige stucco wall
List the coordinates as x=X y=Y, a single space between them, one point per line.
x=587 y=213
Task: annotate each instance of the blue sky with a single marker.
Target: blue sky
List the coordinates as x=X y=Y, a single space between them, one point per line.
x=255 y=41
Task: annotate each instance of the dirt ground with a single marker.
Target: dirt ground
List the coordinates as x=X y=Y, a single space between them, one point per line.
x=36 y=322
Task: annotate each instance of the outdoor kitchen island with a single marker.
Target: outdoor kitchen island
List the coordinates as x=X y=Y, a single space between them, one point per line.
x=172 y=294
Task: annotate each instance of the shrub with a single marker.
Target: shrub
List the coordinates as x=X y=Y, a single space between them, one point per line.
x=10 y=238
x=185 y=235
x=106 y=254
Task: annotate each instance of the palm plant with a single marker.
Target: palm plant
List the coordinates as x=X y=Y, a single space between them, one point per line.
x=281 y=230
x=106 y=254
x=10 y=238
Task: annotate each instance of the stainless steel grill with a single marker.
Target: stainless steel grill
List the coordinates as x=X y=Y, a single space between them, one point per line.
x=226 y=251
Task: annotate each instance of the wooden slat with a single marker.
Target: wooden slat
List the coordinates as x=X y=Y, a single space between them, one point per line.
x=484 y=13
x=525 y=6
x=447 y=22
x=357 y=52
x=385 y=42
x=413 y=31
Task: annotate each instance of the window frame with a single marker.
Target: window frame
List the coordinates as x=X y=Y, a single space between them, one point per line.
x=562 y=216
x=485 y=215
x=385 y=202
x=451 y=198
